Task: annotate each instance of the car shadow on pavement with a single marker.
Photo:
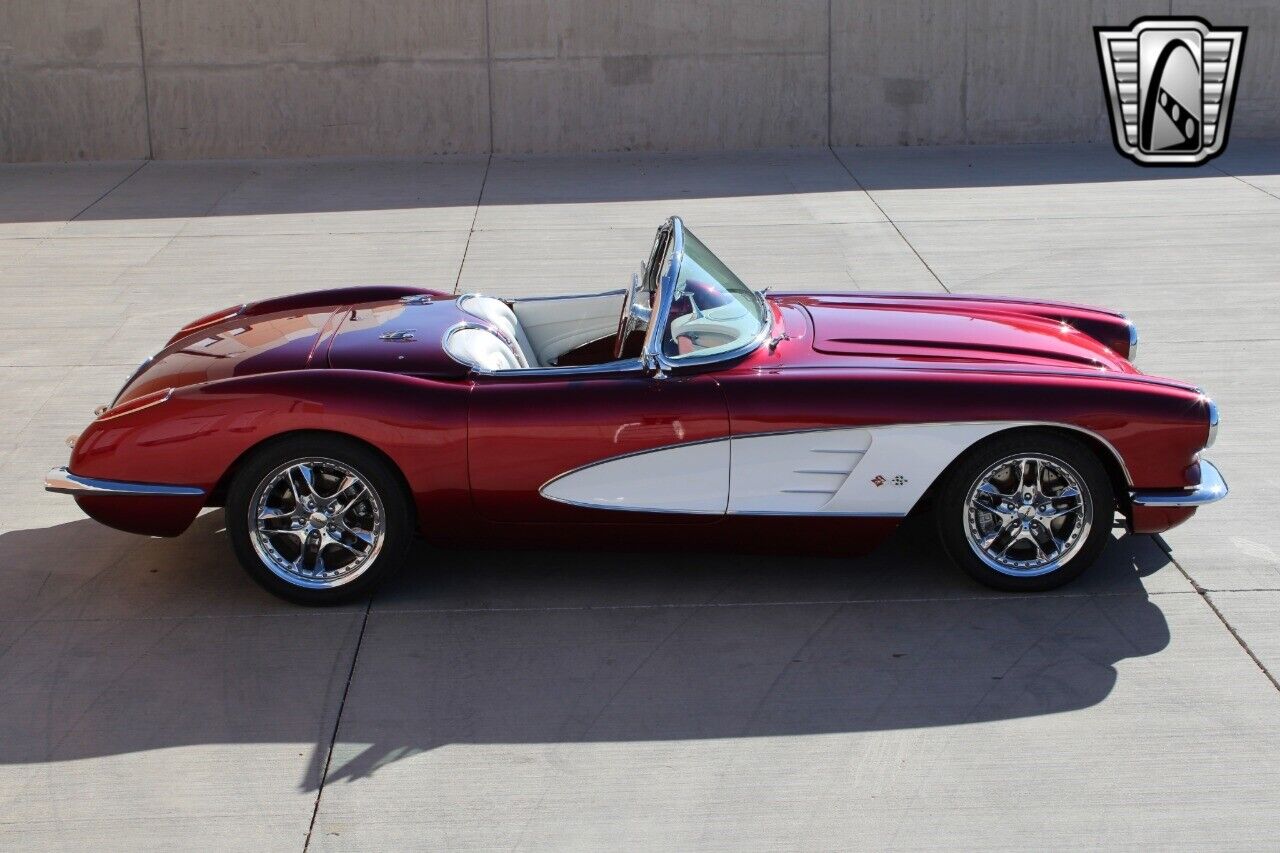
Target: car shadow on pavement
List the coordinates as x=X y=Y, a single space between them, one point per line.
x=113 y=644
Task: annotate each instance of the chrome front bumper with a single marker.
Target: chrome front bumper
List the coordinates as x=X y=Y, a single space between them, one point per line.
x=1212 y=488
x=62 y=481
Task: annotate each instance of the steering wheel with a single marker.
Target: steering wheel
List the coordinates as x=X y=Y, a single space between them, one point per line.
x=627 y=319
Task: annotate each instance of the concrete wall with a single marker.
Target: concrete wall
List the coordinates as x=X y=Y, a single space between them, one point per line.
x=71 y=82
x=103 y=79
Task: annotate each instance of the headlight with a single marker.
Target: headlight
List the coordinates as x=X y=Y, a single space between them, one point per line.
x=1213 y=422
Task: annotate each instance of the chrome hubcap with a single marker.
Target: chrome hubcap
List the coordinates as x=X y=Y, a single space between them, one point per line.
x=316 y=523
x=1028 y=515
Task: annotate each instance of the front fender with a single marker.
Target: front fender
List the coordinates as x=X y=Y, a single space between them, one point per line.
x=1155 y=428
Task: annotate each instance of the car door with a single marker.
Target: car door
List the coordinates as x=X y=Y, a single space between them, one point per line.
x=600 y=447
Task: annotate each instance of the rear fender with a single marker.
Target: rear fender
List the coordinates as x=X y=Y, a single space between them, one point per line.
x=195 y=437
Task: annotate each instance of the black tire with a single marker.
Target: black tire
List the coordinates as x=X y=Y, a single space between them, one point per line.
x=956 y=518
x=329 y=456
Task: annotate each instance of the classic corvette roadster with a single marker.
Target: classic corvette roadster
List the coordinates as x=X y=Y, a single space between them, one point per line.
x=685 y=410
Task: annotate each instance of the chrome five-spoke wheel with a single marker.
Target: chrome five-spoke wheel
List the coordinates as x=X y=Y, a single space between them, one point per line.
x=316 y=523
x=1027 y=515
x=1026 y=510
x=319 y=519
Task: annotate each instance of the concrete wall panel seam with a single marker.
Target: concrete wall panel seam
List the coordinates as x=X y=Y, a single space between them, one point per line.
x=146 y=95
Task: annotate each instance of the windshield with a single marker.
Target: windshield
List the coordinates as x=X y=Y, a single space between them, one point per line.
x=712 y=311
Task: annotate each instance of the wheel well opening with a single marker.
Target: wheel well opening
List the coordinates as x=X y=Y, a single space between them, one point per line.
x=1110 y=463
x=218 y=496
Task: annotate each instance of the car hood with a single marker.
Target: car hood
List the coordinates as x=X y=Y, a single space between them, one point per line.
x=843 y=327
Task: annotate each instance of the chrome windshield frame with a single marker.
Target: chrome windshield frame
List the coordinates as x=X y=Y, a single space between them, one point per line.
x=652 y=355
x=669 y=239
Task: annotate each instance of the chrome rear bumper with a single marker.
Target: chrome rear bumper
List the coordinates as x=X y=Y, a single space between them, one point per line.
x=62 y=481
x=1212 y=488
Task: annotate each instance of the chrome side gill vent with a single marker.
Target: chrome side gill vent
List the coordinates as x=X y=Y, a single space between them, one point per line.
x=417 y=299
x=793 y=472
x=837 y=468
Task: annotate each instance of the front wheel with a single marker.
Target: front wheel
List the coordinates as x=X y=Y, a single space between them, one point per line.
x=1026 y=511
x=318 y=520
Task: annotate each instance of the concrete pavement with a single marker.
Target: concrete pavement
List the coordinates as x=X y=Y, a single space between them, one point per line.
x=153 y=697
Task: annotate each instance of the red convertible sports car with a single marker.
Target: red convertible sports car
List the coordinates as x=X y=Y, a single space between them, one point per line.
x=684 y=409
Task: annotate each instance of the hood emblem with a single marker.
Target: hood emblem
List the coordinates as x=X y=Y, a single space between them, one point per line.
x=399 y=336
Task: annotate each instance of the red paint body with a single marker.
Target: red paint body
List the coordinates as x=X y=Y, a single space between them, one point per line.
x=474 y=449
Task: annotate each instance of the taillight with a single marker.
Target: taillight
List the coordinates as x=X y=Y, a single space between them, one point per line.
x=146 y=401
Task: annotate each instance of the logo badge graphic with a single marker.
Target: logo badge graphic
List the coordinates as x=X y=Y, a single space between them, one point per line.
x=880 y=479
x=1170 y=84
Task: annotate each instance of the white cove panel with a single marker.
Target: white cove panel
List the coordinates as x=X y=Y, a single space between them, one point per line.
x=902 y=462
x=873 y=471
x=692 y=478
x=793 y=473
x=879 y=470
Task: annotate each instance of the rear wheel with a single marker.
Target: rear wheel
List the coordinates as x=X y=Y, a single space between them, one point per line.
x=318 y=520
x=1026 y=511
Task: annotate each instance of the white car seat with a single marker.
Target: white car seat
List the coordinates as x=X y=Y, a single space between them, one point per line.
x=500 y=315
x=481 y=349
x=556 y=325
